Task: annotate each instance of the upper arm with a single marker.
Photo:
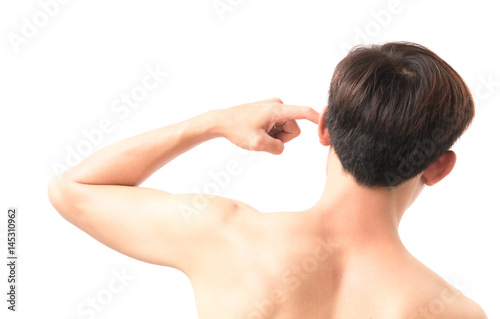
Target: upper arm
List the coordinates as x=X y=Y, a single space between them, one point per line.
x=147 y=224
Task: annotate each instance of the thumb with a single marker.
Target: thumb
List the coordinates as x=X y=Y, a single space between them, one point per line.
x=271 y=145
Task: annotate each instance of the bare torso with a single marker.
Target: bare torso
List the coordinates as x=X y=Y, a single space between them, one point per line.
x=340 y=259
x=278 y=266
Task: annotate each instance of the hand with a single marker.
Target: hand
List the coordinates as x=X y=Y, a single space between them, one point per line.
x=264 y=125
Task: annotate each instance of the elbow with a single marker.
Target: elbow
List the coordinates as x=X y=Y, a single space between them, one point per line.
x=54 y=192
x=60 y=195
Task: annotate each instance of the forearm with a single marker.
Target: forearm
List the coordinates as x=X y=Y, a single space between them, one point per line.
x=258 y=126
x=131 y=161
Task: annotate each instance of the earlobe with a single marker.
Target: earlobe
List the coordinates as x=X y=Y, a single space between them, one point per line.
x=324 y=136
x=440 y=168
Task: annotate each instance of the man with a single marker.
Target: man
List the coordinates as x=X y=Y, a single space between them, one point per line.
x=393 y=112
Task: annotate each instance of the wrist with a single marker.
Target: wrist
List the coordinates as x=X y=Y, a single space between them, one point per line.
x=213 y=123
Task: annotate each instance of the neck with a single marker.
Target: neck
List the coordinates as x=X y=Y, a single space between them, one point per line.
x=360 y=218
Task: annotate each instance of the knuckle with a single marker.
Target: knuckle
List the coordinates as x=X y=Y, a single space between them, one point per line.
x=280 y=150
x=277 y=100
x=255 y=142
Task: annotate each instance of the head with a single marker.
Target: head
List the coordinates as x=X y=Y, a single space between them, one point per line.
x=393 y=113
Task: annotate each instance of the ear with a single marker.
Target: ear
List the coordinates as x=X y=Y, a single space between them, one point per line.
x=324 y=136
x=440 y=168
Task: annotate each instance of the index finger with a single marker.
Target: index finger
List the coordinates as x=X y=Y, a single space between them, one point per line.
x=295 y=112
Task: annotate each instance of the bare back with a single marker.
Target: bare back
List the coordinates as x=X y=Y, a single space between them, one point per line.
x=275 y=266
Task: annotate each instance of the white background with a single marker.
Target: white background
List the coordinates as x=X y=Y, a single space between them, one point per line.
x=64 y=79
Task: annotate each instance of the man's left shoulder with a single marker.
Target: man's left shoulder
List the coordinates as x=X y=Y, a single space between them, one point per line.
x=433 y=297
x=457 y=305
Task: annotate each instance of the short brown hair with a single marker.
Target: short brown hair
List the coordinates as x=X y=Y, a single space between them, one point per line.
x=393 y=110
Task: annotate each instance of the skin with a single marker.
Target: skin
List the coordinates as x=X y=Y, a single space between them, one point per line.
x=342 y=258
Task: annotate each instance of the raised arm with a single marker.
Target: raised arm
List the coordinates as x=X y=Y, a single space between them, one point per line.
x=101 y=195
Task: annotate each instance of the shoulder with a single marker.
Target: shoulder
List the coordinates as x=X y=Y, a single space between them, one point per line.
x=445 y=302
x=209 y=210
x=222 y=218
x=471 y=310
x=456 y=305
x=430 y=296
